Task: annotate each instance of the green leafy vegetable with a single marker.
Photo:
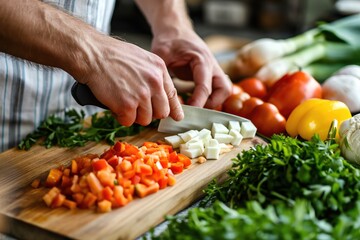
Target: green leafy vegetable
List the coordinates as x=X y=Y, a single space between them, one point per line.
x=71 y=132
x=287 y=169
x=278 y=221
x=287 y=189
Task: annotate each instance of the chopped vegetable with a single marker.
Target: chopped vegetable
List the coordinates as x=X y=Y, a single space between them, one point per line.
x=100 y=181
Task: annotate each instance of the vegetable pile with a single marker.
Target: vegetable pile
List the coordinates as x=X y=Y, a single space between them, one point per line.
x=330 y=45
x=114 y=178
x=288 y=189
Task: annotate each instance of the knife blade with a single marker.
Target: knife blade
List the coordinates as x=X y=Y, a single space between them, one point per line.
x=196 y=118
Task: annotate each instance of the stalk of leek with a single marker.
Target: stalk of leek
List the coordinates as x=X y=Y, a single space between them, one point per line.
x=330 y=52
x=252 y=58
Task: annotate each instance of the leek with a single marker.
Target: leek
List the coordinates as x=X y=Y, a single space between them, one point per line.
x=330 y=52
x=337 y=42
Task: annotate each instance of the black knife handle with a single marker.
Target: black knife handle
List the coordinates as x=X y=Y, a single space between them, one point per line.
x=83 y=95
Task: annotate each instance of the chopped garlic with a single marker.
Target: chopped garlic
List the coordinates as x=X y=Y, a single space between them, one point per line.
x=248 y=130
x=218 y=128
x=174 y=141
x=237 y=137
x=187 y=136
x=213 y=150
x=234 y=125
x=223 y=138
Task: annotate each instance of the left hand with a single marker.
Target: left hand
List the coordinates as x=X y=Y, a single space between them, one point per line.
x=187 y=57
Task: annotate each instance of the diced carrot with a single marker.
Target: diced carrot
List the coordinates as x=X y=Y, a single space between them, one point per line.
x=129 y=191
x=78 y=198
x=53 y=177
x=113 y=161
x=147 y=180
x=66 y=172
x=36 y=183
x=108 y=154
x=94 y=183
x=69 y=204
x=100 y=164
x=171 y=179
x=148 y=144
x=164 y=162
x=185 y=160
x=125 y=165
x=58 y=201
x=119 y=147
x=135 y=179
x=74 y=167
x=142 y=190
x=50 y=195
x=106 y=178
x=129 y=174
x=177 y=167
x=120 y=199
x=145 y=169
x=163 y=182
x=104 y=206
x=159 y=174
x=129 y=150
x=173 y=157
x=83 y=182
x=89 y=200
x=107 y=193
x=168 y=148
x=65 y=181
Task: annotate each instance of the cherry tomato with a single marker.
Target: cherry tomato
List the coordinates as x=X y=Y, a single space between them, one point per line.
x=267 y=119
x=291 y=90
x=234 y=103
x=248 y=106
x=254 y=87
x=236 y=89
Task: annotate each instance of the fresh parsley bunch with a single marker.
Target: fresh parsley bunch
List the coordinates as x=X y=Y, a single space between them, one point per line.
x=71 y=131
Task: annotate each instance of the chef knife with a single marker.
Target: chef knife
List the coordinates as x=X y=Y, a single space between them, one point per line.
x=195 y=118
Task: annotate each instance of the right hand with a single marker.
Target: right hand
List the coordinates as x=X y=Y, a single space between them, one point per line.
x=133 y=83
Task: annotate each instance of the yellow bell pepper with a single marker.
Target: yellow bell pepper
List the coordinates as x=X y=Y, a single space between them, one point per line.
x=314 y=116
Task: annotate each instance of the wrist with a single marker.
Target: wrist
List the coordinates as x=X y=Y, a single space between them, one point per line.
x=166 y=16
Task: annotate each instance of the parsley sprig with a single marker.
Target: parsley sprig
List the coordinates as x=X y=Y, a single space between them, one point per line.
x=71 y=131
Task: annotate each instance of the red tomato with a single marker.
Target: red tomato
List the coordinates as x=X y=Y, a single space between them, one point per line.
x=248 y=106
x=254 y=87
x=291 y=90
x=234 y=103
x=267 y=119
x=236 y=89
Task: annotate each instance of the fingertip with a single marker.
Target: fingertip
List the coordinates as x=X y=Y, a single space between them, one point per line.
x=176 y=111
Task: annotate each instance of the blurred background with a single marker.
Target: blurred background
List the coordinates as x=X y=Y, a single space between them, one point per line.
x=226 y=24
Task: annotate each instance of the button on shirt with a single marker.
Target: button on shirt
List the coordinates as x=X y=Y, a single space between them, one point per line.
x=30 y=92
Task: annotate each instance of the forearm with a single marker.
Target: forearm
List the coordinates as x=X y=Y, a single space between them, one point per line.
x=43 y=34
x=168 y=16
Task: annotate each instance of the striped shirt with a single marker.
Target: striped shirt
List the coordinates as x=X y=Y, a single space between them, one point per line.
x=29 y=93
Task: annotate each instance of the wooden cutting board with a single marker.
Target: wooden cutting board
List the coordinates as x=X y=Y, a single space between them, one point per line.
x=24 y=215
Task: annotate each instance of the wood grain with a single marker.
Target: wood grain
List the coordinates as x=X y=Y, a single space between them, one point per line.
x=23 y=214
